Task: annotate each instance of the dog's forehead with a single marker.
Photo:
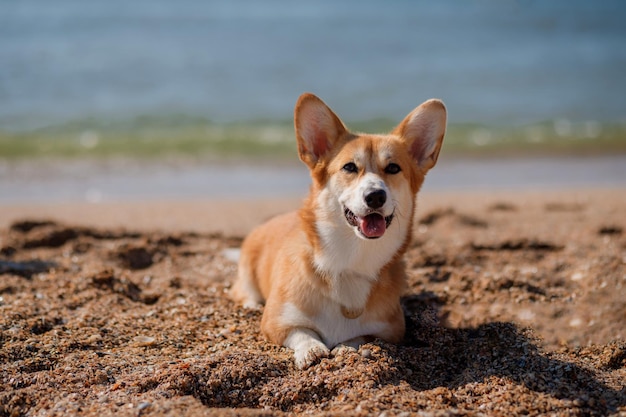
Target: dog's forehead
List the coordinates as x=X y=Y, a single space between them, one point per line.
x=373 y=148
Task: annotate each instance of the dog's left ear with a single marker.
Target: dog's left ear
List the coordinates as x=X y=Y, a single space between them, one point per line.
x=423 y=130
x=317 y=128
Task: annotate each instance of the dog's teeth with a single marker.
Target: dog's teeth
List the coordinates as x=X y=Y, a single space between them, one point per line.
x=350 y=217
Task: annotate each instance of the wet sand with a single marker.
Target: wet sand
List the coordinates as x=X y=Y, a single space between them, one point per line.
x=180 y=179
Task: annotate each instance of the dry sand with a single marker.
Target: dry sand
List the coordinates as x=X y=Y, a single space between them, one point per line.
x=516 y=305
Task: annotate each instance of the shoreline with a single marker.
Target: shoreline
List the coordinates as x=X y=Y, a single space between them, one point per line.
x=237 y=216
x=180 y=179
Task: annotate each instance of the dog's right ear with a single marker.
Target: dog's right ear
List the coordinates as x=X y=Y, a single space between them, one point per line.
x=317 y=128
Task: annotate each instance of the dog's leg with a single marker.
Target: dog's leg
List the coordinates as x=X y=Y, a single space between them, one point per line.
x=245 y=290
x=307 y=346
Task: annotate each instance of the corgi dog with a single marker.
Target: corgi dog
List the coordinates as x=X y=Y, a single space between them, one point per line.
x=331 y=274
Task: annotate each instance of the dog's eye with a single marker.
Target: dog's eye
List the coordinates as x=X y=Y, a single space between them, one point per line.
x=392 y=168
x=350 y=167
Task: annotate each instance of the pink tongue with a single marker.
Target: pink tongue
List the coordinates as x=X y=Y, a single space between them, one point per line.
x=373 y=225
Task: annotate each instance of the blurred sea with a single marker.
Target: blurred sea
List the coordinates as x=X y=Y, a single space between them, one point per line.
x=81 y=66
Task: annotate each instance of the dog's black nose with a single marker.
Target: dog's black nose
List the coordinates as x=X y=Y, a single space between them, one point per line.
x=376 y=199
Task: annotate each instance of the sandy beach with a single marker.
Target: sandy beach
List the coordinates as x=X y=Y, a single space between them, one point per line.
x=515 y=305
x=140 y=142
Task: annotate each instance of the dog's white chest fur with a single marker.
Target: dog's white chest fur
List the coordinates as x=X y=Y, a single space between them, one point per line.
x=350 y=290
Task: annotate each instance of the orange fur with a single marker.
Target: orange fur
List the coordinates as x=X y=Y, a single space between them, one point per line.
x=332 y=273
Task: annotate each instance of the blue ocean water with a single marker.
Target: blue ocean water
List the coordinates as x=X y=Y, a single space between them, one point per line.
x=491 y=61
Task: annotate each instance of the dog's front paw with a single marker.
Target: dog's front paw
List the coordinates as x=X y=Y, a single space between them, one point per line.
x=308 y=355
x=341 y=350
x=349 y=346
x=307 y=347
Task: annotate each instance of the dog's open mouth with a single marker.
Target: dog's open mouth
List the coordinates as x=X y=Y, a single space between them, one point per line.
x=371 y=226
